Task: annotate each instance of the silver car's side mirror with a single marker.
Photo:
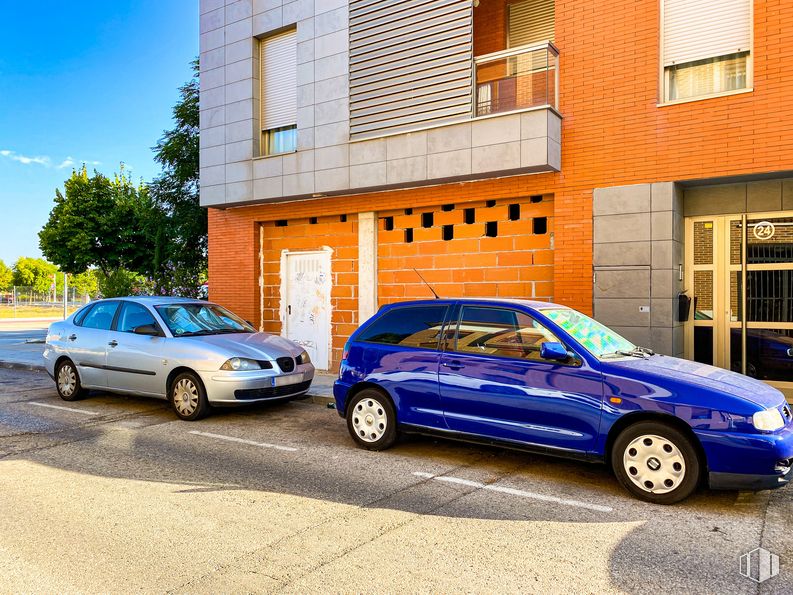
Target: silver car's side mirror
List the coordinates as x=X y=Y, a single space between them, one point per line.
x=148 y=330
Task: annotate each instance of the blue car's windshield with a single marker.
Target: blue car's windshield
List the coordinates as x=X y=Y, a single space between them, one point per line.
x=193 y=319
x=593 y=336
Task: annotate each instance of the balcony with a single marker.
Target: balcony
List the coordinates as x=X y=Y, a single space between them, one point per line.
x=517 y=78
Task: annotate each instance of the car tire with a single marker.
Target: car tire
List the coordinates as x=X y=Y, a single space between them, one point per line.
x=656 y=462
x=371 y=420
x=67 y=381
x=188 y=397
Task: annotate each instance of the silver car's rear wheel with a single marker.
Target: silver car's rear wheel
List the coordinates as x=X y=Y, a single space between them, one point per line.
x=188 y=397
x=67 y=381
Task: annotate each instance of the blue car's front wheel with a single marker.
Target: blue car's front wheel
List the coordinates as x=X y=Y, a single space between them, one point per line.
x=656 y=462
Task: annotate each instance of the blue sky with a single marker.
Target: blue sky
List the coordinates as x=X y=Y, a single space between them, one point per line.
x=83 y=80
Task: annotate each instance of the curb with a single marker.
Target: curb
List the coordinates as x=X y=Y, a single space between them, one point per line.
x=316 y=399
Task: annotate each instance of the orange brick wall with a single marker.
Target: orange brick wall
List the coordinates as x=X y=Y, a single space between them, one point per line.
x=613 y=133
x=515 y=263
x=301 y=234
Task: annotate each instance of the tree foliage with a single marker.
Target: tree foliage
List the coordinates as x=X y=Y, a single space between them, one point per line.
x=6 y=277
x=36 y=273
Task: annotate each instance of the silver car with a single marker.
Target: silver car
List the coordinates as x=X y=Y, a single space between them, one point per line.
x=194 y=353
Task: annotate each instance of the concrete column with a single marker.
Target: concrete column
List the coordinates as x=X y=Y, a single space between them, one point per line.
x=367 y=265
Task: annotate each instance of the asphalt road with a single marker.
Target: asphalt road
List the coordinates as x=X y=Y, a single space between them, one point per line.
x=114 y=494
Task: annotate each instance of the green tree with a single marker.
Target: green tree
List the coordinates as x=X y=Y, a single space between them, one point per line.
x=86 y=283
x=177 y=223
x=98 y=222
x=6 y=277
x=35 y=273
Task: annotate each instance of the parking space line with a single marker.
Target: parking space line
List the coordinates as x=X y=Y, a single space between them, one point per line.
x=514 y=492
x=243 y=441
x=64 y=408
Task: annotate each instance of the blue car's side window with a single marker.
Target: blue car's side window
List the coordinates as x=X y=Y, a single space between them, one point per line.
x=418 y=326
x=501 y=332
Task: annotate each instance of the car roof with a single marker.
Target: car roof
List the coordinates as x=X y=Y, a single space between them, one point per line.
x=156 y=300
x=535 y=304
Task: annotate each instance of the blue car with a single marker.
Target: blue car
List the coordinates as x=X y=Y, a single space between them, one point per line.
x=549 y=379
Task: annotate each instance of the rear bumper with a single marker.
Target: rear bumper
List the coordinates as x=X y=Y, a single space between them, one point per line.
x=742 y=481
x=340 y=390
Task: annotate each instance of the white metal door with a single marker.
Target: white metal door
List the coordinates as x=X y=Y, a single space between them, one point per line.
x=306 y=303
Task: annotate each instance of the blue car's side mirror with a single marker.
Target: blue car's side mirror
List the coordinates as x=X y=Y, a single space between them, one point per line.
x=554 y=351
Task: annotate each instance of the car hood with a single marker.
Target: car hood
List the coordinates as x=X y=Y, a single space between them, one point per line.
x=665 y=370
x=251 y=345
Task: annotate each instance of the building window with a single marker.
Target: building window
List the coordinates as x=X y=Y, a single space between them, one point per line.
x=706 y=48
x=278 y=93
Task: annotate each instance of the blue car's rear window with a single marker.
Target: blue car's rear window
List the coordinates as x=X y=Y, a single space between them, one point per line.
x=417 y=326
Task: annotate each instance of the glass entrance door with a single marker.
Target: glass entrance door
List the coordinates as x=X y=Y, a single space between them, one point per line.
x=738 y=264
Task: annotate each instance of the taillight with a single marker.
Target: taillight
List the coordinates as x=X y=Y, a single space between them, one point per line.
x=346 y=351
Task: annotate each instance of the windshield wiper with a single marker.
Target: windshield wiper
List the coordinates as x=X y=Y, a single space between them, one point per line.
x=195 y=333
x=637 y=352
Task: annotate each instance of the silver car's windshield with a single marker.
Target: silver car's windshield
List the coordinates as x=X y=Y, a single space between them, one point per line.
x=596 y=338
x=186 y=320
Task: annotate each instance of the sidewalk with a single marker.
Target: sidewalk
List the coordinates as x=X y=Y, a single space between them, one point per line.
x=19 y=354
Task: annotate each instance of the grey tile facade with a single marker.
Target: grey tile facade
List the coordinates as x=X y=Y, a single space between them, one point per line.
x=326 y=161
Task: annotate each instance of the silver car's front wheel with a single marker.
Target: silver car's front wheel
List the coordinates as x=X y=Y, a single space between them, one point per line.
x=67 y=381
x=188 y=397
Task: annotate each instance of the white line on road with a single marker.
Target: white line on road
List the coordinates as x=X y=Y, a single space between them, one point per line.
x=243 y=441
x=514 y=492
x=64 y=408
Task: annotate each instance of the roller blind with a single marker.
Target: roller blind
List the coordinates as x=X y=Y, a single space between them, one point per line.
x=410 y=64
x=278 y=77
x=700 y=29
x=531 y=22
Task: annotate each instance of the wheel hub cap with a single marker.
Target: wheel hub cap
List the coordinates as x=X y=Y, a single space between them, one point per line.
x=185 y=396
x=369 y=420
x=66 y=380
x=655 y=464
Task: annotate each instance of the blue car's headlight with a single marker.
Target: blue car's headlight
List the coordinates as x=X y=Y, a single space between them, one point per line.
x=768 y=420
x=238 y=364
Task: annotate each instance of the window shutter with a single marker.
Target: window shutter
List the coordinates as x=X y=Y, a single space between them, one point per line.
x=278 y=77
x=700 y=29
x=410 y=64
x=531 y=22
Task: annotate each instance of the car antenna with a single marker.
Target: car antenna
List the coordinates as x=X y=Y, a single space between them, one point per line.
x=437 y=297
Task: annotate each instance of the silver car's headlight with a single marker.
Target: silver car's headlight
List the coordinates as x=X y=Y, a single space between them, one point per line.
x=768 y=420
x=303 y=358
x=239 y=364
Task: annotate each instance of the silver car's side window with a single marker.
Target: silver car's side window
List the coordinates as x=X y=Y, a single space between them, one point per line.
x=132 y=316
x=101 y=316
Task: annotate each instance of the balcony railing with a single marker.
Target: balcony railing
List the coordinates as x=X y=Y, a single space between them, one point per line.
x=517 y=78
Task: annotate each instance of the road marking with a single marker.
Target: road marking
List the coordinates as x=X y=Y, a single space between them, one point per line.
x=64 y=408
x=514 y=492
x=243 y=441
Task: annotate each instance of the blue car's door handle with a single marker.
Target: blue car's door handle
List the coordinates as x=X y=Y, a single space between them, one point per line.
x=454 y=365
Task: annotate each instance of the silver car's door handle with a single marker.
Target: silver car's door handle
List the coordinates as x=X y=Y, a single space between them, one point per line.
x=72 y=337
x=113 y=343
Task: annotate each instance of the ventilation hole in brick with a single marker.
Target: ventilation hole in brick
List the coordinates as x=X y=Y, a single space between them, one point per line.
x=427 y=219
x=447 y=208
x=343 y=218
x=536 y=198
x=540 y=225
x=514 y=212
x=388 y=223
x=281 y=223
x=312 y=220
x=408 y=211
x=448 y=232
x=470 y=216
x=491 y=229
x=408 y=235
x=490 y=203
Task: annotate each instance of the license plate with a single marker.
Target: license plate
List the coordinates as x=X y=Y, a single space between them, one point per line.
x=287 y=380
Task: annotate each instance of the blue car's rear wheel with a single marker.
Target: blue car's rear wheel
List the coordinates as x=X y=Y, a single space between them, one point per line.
x=371 y=420
x=656 y=462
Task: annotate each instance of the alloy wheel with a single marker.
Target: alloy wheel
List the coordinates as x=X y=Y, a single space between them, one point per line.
x=369 y=420
x=654 y=464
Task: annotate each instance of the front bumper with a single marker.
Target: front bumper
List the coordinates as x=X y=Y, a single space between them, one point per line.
x=238 y=388
x=744 y=481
